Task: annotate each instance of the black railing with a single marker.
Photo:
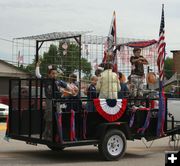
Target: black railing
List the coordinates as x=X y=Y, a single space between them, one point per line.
x=26 y=110
x=26 y=107
x=26 y=97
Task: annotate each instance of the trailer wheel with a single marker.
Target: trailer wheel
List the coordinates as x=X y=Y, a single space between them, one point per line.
x=113 y=145
x=55 y=148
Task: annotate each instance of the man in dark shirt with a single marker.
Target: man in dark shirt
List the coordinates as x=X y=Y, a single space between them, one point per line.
x=52 y=91
x=137 y=72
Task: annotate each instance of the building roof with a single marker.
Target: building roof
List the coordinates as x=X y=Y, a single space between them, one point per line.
x=11 y=71
x=174 y=78
x=175 y=51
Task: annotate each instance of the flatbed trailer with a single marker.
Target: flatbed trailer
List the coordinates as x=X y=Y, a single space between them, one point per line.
x=26 y=123
x=81 y=127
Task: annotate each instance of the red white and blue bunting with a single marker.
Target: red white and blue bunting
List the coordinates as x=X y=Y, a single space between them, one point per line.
x=58 y=116
x=72 y=126
x=147 y=121
x=110 y=109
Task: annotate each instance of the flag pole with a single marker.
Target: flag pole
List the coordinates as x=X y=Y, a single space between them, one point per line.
x=160 y=63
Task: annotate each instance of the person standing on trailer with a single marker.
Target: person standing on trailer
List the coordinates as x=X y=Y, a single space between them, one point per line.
x=92 y=94
x=97 y=73
x=137 y=72
x=108 y=84
x=49 y=93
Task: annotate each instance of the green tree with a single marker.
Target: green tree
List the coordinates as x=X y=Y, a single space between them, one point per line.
x=70 y=60
x=66 y=60
x=31 y=67
x=169 y=67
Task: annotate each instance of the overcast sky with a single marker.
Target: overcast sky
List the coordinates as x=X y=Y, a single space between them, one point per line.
x=135 y=18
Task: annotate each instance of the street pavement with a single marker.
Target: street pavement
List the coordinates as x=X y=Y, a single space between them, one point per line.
x=19 y=153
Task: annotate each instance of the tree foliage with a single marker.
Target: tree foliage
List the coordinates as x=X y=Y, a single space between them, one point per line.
x=169 y=67
x=66 y=60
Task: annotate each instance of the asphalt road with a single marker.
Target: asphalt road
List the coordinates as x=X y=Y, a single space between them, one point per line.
x=19 y=153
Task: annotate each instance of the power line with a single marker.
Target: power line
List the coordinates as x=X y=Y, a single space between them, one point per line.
x=7 y=40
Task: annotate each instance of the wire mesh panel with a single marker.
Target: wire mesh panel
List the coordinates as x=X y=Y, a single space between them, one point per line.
x=125 y=53
x=92 y=49
x=79 y=56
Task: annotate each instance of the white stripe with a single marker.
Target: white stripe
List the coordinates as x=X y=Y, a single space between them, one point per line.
x=111 y=110
x=160 y=48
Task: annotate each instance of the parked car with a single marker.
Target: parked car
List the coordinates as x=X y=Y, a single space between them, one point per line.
x=4 y=110
x=4 y=99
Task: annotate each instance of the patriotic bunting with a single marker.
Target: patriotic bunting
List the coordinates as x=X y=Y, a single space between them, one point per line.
x=85 y=113
x=146 y=123
x=110 y=109
x=58 y=116
x=141 y=44
x=72 y=126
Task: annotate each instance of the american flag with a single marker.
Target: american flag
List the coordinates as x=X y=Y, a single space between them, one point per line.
x=20 y=58
x=110 y=43
x=105 y=52
x=112 y=33
x=95 y=62
x=160 y=63
x=161 y=47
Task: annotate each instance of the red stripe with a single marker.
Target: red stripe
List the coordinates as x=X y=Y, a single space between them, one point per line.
x=161 y=37
x=162 y=64
x=161 y=46
x=161 y=76
x=141 y=44
x=160 y=60
x=72 y=126
x=105 y=57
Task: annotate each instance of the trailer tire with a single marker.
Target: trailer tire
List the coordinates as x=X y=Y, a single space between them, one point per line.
x=113 y=145
x=55 y=148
